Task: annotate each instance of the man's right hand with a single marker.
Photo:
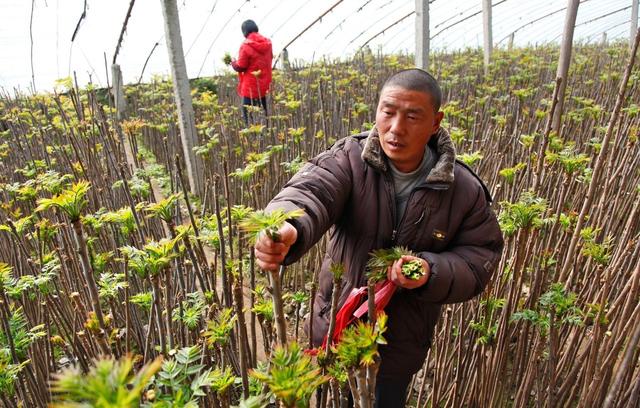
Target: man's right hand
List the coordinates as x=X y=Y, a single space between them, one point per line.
x=270 y=253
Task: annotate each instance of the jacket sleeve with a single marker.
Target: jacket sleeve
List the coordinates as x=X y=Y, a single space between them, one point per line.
x=242 y=63
x=321 y=188
x=464 y=269
x=236 y=67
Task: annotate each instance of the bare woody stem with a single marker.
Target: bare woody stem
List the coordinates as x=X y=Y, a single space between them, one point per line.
x=278 y=308
x=599 y=166
x=81 y=247
x=363 y=389
x=244 y=355
x=537 y=176
x=335 y=297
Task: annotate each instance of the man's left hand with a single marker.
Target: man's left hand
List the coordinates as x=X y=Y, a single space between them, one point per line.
x=395 y=275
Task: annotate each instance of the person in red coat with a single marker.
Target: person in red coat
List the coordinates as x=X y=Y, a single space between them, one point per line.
x=254 y=68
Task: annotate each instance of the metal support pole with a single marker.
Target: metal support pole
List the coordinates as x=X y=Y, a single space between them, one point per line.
x=634 y=22
x=565 y=59
x=488 y=35
x=422 y=34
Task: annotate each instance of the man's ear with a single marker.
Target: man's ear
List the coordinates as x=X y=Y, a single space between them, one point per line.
x=436 y=121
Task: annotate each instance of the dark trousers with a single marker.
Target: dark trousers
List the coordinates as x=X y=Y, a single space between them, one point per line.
x=246 y=101
x=390 y=393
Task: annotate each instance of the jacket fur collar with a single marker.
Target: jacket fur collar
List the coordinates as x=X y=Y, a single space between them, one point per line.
x=442 y=172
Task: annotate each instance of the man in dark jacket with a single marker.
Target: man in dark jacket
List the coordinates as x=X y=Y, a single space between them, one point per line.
x=254 y=68
x=397 y=185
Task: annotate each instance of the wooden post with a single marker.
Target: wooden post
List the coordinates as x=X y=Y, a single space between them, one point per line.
x=285 y=60
x=117 y=91
x=182 y=94
x=565 y=59
x=422 y=34
x=488 y=35
x=634 y=22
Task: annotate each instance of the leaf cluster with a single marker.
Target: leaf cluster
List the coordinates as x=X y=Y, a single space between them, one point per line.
x=151 y=260
x=470 y=159
x=181 y=381
x=164 y=208
x=292 y=377
x=191 y=310
x=110 y=284
x=219 y=329
x=108 y=384
x=21 y=335
x=486 y=327
x=556 y=301
x=269 y=223
x=123 y=218
x=70 y=201
x=30 y=285
x=527 y=213
x=358 y=345
x=599 y=252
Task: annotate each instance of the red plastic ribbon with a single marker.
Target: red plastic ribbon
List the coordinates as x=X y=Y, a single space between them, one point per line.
x=356 y=306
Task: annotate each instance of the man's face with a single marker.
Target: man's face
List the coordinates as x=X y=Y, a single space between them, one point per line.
x=405 y=120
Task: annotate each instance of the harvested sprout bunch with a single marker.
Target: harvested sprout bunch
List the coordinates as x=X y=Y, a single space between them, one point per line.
x=227 y=58
x=413 y=269
x=381 y=259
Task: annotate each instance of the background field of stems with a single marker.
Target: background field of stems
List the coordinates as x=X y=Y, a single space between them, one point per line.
x=104 y=254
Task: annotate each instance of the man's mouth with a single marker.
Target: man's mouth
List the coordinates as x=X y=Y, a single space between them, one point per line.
x=394 y=144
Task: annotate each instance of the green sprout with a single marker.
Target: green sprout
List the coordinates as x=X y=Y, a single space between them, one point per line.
x=557 y=302
x=182 y=380
x=163 y=209
x=382 y=259
x=70 y=201
x=292 y=378
x=191 y=311
x=525 y=214
x=359 y=343
x=470 y=159
x=270 y=223
x=219 y=329
x=109 y=384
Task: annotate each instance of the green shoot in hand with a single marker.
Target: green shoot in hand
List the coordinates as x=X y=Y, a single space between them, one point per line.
x=381 y=259
x=270 y=223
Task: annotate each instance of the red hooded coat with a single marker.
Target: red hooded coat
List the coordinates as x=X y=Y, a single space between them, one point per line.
x=254 y=66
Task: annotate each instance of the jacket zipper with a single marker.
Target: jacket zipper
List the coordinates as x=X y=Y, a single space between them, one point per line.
x=392 y=199
x=397 y=228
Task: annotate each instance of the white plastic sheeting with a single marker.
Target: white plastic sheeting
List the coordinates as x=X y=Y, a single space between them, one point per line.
x=211 y=28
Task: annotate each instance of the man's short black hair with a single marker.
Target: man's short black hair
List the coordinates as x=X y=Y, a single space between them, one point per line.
x=248 y=27
x=416 y=79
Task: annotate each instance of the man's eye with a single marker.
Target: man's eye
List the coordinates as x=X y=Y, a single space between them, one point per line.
x=388 y=113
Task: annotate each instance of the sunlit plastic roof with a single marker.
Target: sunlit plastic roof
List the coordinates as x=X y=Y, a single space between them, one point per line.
x=211 y=28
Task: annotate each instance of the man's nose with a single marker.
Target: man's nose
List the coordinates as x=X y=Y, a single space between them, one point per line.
x=397 y=124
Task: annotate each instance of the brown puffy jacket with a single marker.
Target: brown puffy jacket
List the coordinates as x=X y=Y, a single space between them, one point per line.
x=448 y=221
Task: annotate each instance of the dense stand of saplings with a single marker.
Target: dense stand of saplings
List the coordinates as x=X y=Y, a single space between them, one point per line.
x=117 y=288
